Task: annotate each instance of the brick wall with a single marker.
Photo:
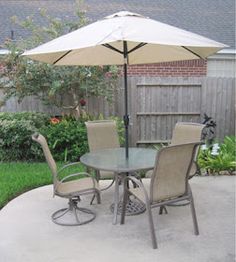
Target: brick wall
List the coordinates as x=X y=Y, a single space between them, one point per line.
x=180 y=68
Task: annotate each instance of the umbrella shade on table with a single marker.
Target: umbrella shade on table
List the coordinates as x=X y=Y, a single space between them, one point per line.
x=124 y=38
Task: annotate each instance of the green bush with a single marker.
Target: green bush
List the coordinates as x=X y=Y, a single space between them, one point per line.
x=37 y=119
x=15 y=140
x=15 y=135
x=67 y=139
x=223 y=161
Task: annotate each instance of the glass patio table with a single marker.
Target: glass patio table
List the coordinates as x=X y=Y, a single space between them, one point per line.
x=114 y=160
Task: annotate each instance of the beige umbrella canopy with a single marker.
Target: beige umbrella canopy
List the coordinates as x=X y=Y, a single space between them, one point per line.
x=124 y=38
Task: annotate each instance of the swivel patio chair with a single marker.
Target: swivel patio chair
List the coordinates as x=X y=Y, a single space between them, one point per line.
x=169 y=183
x=102 y=134
x=70 y=188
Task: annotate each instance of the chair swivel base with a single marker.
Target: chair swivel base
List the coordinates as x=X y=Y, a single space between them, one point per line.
x=73 y=215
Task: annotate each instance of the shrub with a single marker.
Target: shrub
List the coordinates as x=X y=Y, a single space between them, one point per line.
x=15 y=135
x=37 y=119
x=15 y=140
x=67 y=139
x=223 y=161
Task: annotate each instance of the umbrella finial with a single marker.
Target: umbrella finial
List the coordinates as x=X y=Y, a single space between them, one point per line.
x=124 y=13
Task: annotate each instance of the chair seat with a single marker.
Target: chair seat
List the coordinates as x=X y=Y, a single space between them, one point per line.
x=192 y=172
x=138 y=193
x=74 y=186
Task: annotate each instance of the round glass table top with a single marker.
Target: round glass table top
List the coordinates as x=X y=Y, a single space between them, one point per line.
x=114 y=159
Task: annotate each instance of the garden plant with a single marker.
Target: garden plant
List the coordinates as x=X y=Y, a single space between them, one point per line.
x=221 y=160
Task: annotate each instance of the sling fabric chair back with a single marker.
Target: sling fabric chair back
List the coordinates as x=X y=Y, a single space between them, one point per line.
x=186 y=132
x=102 y=134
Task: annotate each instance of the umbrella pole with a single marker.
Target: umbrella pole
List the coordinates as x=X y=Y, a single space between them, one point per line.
x=126 y=116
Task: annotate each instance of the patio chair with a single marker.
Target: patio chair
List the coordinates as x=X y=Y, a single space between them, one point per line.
x=102 y=134
x=70 y=188
x=188 y=132
x=169 y=183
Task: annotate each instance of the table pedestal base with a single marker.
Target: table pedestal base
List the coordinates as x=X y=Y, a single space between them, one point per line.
x=133 y=207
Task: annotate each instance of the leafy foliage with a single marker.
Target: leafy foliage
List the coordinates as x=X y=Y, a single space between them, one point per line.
x=15 y=135
x=62 y=86
x=38 y=119
x=66 y=136
x=67 y=139
x=225 y=160
x=15 y=139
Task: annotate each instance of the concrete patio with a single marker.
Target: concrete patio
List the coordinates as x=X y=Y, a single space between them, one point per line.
x=28 y=235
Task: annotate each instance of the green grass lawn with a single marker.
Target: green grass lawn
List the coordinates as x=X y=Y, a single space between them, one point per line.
x=17 y=178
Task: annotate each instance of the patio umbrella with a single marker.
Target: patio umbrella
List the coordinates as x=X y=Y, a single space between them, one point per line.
x=124 y=38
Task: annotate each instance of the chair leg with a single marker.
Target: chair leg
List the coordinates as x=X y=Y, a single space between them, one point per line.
x=98 y=196
x=93 y=197
x=195 y=224
x=151 y=225
x=162 y=208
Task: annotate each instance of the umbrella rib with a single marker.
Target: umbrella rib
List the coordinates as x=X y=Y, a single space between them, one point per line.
x=137 y=47
x=61 y=57
x=113 y=48
x=189 y=50
x=130 y=51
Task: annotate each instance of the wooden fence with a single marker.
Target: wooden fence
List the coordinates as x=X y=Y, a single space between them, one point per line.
x=156 y=104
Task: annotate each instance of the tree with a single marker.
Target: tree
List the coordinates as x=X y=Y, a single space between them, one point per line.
x=62 y=86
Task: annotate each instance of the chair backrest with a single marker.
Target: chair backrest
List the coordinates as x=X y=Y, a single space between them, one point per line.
x=187 y=132
x=47 y=153
x=102 y=134
x=170 y=175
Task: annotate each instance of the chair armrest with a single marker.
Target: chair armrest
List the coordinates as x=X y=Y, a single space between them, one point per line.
x=76 y=174
x=68 y=165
